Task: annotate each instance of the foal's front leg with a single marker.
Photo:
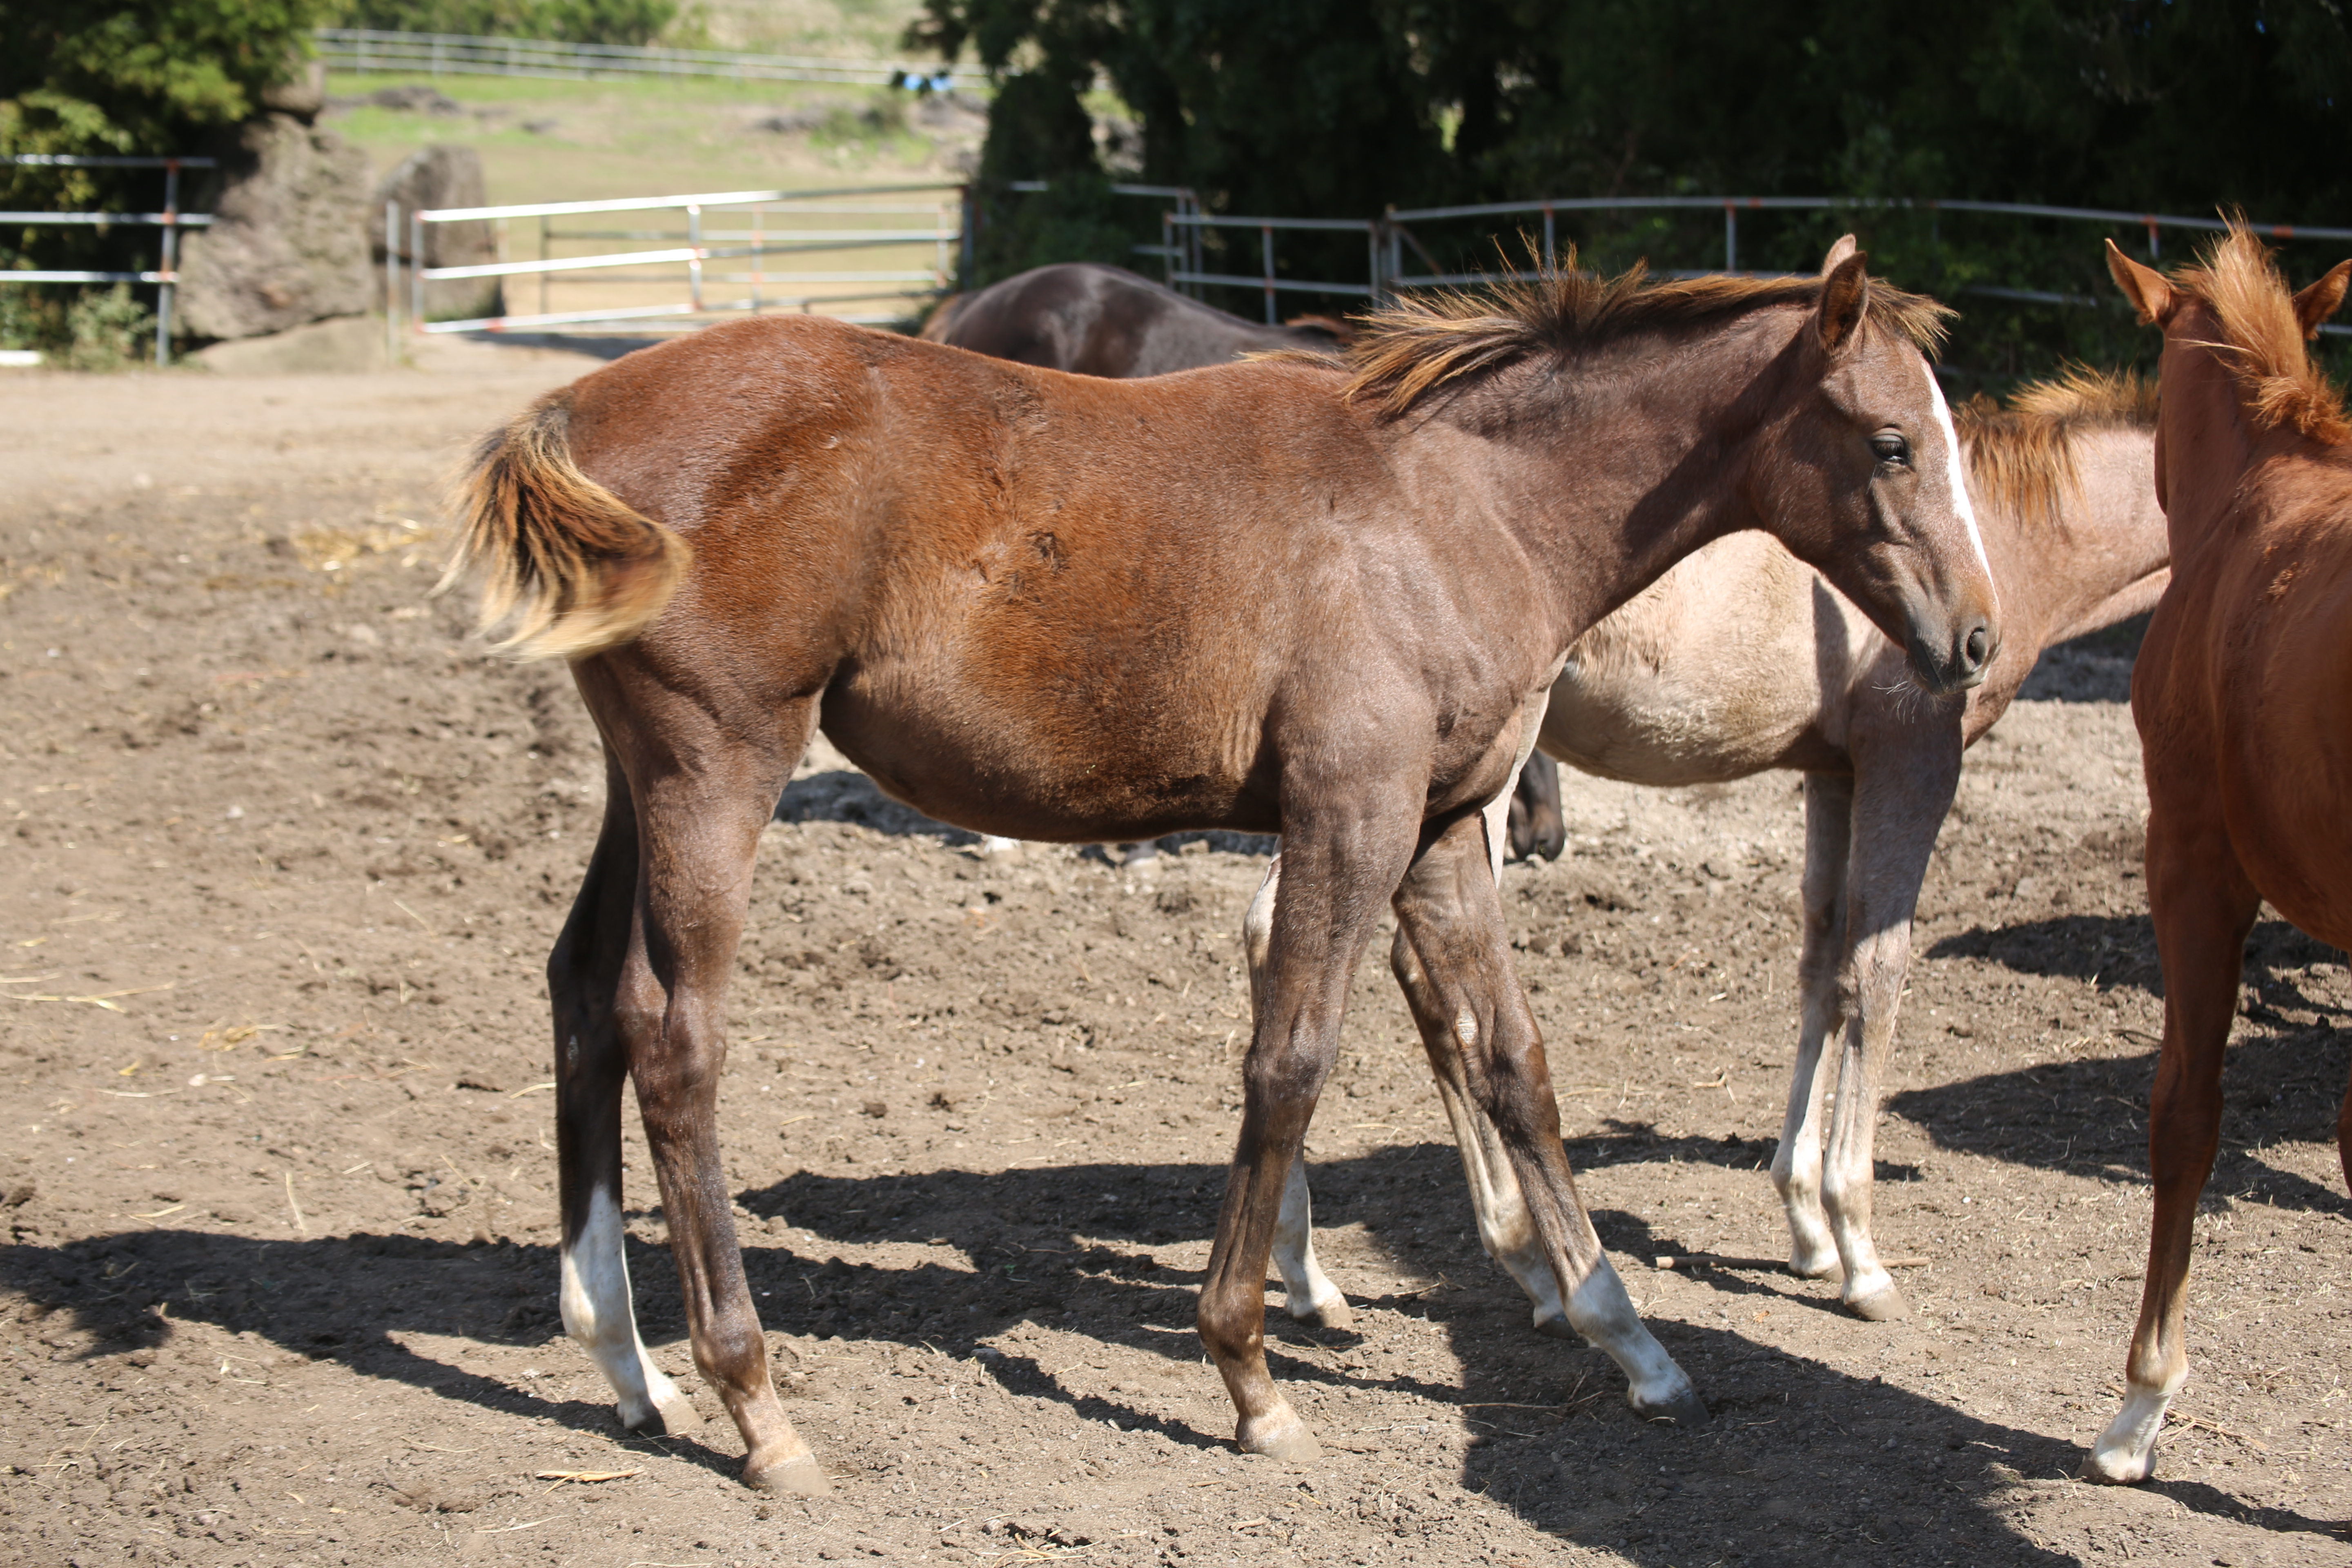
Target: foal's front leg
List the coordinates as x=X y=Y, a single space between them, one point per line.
x=1335 y=872
x=1901 y=791
x=1454 y=958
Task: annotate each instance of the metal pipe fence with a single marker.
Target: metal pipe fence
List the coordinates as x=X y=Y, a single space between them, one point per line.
x=171 y=220
x=772 y=226
x=365 y=49
x=1390 y=236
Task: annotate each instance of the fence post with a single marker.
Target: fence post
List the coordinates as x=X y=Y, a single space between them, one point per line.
x=1549 y=243
x=971 y=238
x=2153 y=253
x=417 y=271
x=1372 y=267
x=392 y=282
x=1731 y=237
x=1168 y=248
x=1265 y=237
x=694 y=261
x=170 y=258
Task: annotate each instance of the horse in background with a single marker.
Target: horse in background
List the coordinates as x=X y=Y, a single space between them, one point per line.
x=1093 y=320
x=1318 y=600
x=2243 y=693
x=1742 y=659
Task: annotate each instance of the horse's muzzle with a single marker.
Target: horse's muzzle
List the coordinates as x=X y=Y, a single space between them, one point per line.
x=1959 y=661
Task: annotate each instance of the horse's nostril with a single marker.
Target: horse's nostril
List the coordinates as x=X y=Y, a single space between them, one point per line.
x=1978 y=649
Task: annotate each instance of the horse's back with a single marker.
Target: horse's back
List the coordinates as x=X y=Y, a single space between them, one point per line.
x=2244 y=690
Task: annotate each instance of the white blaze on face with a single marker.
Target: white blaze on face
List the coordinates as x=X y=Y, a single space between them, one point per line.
x=1953 y=471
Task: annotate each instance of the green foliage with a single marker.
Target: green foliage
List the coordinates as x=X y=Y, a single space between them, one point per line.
x=98 y=77
x=572 y=21
x=1327 y=108
x=107 y=330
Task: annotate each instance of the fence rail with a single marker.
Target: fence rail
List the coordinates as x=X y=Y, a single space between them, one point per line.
x=1390 y=233
x=171 y=220
x=773 y=224
x=463 y=54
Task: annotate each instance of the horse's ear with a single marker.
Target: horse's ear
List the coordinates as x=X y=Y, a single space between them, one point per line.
x=2145 y=286
x=1844 y=247
x=1845 y=296
x=2316 y=304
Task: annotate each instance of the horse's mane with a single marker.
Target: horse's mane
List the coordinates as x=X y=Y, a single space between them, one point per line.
x=1410 y=347
x=2022 y=456
x=2262 y=339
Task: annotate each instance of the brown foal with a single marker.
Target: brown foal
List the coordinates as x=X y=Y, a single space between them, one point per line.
x=2243 y=693
x=1323 y=601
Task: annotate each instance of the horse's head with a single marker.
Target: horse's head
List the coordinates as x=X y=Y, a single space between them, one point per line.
x=2233 y=355
x=1866 y=479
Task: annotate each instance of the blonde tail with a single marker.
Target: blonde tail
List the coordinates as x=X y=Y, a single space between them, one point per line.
x=577 y=568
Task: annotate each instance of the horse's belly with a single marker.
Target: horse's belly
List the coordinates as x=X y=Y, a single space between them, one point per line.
x=1032 y=769
x=1652 y=730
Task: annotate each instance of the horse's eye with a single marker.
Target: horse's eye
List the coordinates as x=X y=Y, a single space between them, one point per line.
x=1891 y=447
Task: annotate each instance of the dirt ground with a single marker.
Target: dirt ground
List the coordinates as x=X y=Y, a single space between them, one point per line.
x=283 y=854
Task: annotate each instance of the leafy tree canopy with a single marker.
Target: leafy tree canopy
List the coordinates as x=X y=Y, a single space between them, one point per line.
x=1336 y=108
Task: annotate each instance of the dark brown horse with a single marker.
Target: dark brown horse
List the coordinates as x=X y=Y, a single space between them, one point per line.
x=2242 y=692
x=1283 y=597
x=1093 y=320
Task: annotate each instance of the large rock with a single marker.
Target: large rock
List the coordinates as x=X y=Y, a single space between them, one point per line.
x=443 y=175
x=345 y=343
x=288 y=244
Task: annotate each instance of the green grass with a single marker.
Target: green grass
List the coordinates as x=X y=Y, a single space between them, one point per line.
x=547 y=139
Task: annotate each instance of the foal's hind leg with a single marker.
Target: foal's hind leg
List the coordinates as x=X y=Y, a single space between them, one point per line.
x=2203 y=907
x=589 y=1067
x=703 y=794
x=1454 y=958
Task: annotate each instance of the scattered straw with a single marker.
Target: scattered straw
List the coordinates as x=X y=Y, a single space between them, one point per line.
x=301 y=1226
x=584 y=1477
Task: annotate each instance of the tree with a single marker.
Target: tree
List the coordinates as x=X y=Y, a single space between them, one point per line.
x=1322 y=108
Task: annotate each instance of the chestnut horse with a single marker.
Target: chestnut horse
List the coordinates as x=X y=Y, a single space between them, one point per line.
x=1275 y=598
x=1094 y=320
x=2243 y=693
x=1742 y=659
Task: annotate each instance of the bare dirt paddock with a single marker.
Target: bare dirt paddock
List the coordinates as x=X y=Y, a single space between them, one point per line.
x=283 y=854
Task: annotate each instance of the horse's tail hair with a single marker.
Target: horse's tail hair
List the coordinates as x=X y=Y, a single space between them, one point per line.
x=577 y=568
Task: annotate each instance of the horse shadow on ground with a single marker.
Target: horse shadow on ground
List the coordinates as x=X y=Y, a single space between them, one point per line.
x=846 y=795
x=2116 y=952
x=2088 y=1116
x=2094 y=667
x=1769 y=1481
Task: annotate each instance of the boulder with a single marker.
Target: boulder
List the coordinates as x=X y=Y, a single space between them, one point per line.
x=288 y=244
x=443 y=175
x=345 y=343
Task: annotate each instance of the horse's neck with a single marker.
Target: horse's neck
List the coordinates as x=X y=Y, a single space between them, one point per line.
x=1608 y=473
x=2207 y=438
x=2061 y=578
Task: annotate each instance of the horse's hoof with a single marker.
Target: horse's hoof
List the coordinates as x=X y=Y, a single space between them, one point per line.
x=672 y=1415
x=797 y=1477
x=1804 y=1267
x=2118 y=1468
x=1884 y=1305
x=1557 y=1327
x=1686 y=1410
x=1333 y=1313
x=1287 y=1439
